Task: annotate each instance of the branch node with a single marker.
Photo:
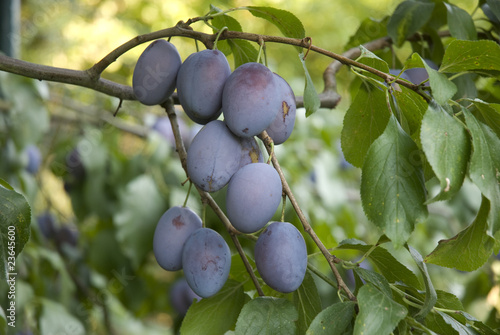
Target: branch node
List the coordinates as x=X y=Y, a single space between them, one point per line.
x=308 y=42
x=118 y=108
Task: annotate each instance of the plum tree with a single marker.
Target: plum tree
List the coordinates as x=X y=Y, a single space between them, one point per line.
x=252 y=197
x=206 y=259
x=200 y=82
x=213 y=156
x=181 y=296
x=250 y=99
x=282 y=126
x=155 y=72
x=172 y=231
x=281 y=257
x=399 y=137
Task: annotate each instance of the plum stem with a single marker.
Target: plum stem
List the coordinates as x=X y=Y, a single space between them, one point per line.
x=188 y=193
x=261 y=46
x=283 y=208
x=218 y=36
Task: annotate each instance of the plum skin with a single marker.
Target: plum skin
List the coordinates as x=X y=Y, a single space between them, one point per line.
x=173 y=229
x=155 y=73
x=282 y=126
x=200 y=82
x=281 y=257
x=206 y=258
x=253 y=196
x=213 y=156
x=250 y=99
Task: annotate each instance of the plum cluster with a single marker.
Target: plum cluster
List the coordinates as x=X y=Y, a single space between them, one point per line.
x=251 y=99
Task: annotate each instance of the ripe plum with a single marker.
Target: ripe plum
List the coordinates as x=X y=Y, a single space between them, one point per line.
x=213 y=156
x=155 y=72
x=250 y=100
x=253 y=196
x=282 y=126
x=207 y=260
x=172 y=231
x=200 y=82
x=281 y=257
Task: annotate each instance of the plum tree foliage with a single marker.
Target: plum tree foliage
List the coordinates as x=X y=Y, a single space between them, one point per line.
x=247 y=254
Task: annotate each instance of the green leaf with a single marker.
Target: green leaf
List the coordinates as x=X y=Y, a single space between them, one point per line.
x=376 y=279
x=430 y=292
x=495 y=7
x=141 y=206
x=460 y=23
x=239 y=272
x=15 y=219
x=221 y=21
x=442 y=88
x=392 y=184
x=307 y=302
x=378 y=314
x=489 y=114
x=311 y=99
x=456 y=325
x=287 y=23
x=392 y=269
x=3 y=322
x=407 y=19
x=364 y=122
x=446 y=145
x=484 y=168
x=470 y=248
x=27 y=115
x=55 y=319
x=243 y=52
x=369 y=58
x=335 y=319
x=267 y=315
x=369 y=30
x=217 y=314
x=478 y=56
x=411 y=106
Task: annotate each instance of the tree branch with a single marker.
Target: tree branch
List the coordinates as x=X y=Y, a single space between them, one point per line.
x=331 y=259
x=91 y=78
x=181 y=150
x=66 y=76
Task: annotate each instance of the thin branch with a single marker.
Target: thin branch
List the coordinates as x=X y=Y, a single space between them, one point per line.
x=331 y=259
x=90 y=78
x=93 y=115
x=66 y=76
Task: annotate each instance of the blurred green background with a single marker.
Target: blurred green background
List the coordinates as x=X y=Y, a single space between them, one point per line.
x=97 y=270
